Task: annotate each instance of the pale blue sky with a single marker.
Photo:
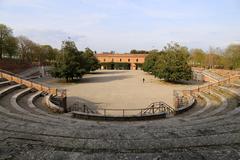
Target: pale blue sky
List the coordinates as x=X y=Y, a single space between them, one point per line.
x=122 y=25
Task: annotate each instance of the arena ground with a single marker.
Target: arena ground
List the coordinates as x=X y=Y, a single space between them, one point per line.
x=119 y=89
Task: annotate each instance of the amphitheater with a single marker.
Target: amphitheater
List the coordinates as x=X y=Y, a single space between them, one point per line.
x=204 y=125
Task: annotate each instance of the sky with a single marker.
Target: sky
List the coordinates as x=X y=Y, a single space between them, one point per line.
x=122 y=25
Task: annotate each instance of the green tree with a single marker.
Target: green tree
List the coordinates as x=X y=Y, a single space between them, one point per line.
x=11 y=47
x=70 y=62
x=8 y=44
x=91 y=62
x=150 y=62
x=47 y=54
x=171 y=64
x=134 y=51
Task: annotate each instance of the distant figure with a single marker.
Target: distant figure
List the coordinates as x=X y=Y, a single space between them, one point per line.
x=143 y=80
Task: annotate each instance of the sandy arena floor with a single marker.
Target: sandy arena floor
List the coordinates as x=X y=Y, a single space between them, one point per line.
x=115 y=89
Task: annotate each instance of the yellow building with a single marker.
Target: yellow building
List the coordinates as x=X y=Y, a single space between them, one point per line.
x=121 y=61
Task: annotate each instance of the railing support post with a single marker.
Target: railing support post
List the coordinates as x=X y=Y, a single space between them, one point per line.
x=104 y=112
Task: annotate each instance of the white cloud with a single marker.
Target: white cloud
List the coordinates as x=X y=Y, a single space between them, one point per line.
x=52 y=37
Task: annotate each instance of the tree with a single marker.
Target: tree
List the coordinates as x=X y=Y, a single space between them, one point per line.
x=171 y=64
x=232 y=56
x=91 y=62
x=214 y=58
x=134 y=51
x=11 y=47
x=48 y=54
x=150 y=62
x=71 y=63
x=26 y=49
x=8 y=44
x=197 y=57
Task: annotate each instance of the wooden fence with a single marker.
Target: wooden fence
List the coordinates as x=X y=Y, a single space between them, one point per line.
x=207 y=87
x=29 y=83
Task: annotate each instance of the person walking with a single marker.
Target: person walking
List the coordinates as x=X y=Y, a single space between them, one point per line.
x=143 y=80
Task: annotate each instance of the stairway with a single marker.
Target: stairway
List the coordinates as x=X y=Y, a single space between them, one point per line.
x=29 y=130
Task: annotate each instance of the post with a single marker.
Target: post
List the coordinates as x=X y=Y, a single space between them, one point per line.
x=63 y=102
x=84 y=108
x=123 y=112
x=104 y=112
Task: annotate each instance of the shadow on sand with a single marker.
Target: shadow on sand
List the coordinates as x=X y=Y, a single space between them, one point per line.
x=109 y=72
x=77 y=103
x=101 y=79
x=190 y=82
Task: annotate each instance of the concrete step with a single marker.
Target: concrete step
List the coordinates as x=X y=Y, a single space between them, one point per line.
x=9 y=89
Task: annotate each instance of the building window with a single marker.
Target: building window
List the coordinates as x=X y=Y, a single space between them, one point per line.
x=112 y=59
x=120 y=60
x=104 y=60
x=128 y=60
x=136 y=60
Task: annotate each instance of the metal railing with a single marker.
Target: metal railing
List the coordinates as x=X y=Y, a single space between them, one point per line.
x=157 y=107
x=153 y=109
x=84 y=108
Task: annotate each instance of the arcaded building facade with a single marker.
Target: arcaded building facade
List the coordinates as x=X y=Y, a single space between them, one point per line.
x=121 y=61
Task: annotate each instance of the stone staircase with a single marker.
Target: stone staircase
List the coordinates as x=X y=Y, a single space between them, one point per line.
x=213 y=77
x=29 y=130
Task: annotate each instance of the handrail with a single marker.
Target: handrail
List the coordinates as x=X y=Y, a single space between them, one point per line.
x=158 y=107
x=205 y=87
x=209 y=86
x=32 y=84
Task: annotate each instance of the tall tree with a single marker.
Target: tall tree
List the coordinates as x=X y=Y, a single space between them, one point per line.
x=7 y=41
x=214 y=58
x=197 y=57
x=70 y=62
x=11 y=47
x=150 y=62
x=91 y=61
x=171 y=64
x=232 y=56
x=48 y=54
x=27 y=49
